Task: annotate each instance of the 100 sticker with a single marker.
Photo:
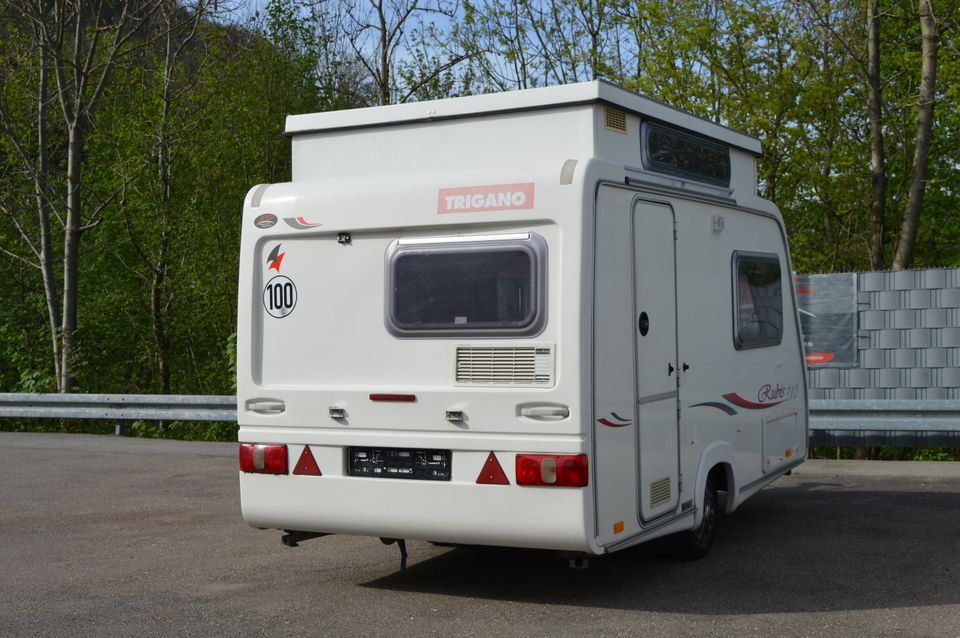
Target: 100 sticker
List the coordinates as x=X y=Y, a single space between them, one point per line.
x=279 y=296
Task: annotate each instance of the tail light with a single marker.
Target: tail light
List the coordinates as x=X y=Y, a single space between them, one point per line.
x=563 y=470
x=263 y=459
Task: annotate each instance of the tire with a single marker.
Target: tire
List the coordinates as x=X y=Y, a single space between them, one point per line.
x=695 y=543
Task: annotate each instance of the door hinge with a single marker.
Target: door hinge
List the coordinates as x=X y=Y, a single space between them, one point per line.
x=675 y=231
x=680 y=483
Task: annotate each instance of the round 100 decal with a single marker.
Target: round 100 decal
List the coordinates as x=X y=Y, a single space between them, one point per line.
x=279 y=296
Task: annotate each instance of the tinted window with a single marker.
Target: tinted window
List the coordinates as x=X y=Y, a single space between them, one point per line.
x=483 y=287
x=675 y=153
x=759 y=300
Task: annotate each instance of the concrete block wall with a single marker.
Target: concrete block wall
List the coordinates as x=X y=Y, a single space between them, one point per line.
x=908 y=342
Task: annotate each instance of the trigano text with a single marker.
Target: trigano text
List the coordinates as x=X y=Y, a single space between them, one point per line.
x=470 y=199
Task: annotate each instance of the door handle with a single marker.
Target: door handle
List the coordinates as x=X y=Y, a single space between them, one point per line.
x=545 y=412
x=669 y=369
x=266 y=406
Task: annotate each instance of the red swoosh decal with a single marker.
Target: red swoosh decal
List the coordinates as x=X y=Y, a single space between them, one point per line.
x=740 y=402
x=613 y=425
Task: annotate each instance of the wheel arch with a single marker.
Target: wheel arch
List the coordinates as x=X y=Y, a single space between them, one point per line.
x=717 y=457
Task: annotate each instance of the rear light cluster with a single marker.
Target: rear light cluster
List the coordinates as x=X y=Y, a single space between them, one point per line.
x=557 y=470
x=261 y=458
x=564 y=470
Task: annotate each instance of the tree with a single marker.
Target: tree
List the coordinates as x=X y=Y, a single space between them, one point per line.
x=377 y=30
x=81 y=44
x=903 y=258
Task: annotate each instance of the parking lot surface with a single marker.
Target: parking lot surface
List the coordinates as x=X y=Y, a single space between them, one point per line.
x=107 y=536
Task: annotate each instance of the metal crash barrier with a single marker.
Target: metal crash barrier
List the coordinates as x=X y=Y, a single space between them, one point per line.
x=119 y=407
x=849 y=423
x=885 y=423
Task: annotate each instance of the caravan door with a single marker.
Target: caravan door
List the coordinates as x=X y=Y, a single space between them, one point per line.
x=636 y=466
x=655 y=304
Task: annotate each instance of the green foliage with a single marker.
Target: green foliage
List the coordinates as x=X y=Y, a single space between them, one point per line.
x=886 y=454
x=158 y=274
x=184 y=430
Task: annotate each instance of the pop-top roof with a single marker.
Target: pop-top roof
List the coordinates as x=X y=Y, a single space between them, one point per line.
x=514 y=101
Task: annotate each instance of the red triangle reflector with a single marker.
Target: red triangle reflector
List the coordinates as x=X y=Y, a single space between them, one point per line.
x=492 y=473
x=307 y=465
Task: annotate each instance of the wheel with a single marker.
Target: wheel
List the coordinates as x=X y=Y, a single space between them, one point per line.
x=695 y=543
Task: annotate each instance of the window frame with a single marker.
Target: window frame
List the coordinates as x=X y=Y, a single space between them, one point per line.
x=748 y=343
x=530 y=243
x=666 y=169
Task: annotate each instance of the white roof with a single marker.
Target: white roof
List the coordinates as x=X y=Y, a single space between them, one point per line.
x=525 y=100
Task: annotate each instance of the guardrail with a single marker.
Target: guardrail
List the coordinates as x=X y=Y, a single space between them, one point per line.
x=885 y=422
x=853 y=423
x=119 y=407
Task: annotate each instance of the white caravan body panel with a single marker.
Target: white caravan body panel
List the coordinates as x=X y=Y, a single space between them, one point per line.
x=511 y=279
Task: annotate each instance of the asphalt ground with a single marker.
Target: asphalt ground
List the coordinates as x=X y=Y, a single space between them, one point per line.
x=107 y=536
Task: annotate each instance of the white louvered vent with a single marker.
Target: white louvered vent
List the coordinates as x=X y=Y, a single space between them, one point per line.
x=615 y=120
x=529 y=365
x=660 y=492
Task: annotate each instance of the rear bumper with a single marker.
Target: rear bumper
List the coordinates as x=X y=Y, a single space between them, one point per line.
x=455 y=511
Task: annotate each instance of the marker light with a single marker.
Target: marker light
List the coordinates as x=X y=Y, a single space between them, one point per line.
x=260 y=458
x=394 y=398
x=560 y=470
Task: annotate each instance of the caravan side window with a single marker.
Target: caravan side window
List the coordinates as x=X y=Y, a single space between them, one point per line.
x=758 y=300
x=467 y=286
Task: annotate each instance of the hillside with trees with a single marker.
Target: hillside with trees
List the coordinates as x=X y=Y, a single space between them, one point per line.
x=130 y=131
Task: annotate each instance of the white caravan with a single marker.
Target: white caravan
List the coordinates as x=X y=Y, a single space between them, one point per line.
x=557 y=318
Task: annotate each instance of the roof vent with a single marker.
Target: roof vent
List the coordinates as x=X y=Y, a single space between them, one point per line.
x=615 y=120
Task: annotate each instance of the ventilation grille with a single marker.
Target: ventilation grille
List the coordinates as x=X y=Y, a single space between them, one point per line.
x=615 y=120
x=660 y=492
x=532 y=365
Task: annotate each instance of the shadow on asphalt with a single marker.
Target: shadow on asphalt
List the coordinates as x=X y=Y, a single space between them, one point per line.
x=809 y=547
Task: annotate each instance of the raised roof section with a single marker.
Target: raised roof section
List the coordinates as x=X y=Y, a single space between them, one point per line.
x=526 y=100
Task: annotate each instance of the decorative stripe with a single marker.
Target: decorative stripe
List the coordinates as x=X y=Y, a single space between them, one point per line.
x=723 y=407
x=300 y=223
x=610 y=424
x=740 y=402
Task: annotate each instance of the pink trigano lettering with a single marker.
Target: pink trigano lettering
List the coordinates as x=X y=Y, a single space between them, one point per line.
x=486 y=198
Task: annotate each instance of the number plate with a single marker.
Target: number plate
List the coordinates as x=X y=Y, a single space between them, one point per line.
x=399 y=463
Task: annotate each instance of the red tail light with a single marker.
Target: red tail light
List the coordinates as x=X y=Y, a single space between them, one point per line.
x=560 y=470
x=263 y=459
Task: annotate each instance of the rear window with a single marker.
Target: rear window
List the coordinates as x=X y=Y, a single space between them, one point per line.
x=467 y=286
x=758 y=300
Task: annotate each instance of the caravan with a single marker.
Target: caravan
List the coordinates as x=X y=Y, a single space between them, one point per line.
x=556 y=318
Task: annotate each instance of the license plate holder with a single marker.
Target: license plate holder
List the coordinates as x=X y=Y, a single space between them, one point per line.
x=416 y=464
